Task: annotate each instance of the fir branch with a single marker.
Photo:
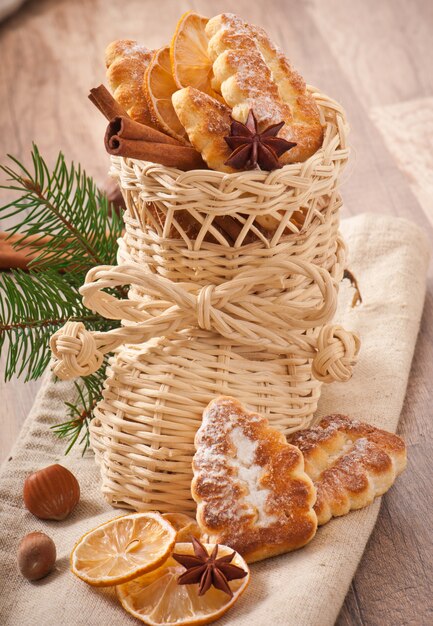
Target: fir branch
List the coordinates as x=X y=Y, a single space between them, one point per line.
x=32 y=308
x=72 y=229
x=89 y=391
x=66 y=205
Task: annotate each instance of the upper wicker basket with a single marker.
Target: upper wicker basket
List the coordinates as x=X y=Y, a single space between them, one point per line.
x=231 y=305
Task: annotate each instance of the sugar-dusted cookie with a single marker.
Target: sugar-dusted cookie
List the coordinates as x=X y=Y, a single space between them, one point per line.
x=252 y=73
x=206 y=122
x=250 y=486
x=350 y=462
x=126 y=62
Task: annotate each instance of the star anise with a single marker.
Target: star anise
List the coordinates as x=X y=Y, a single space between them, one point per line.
x=252 y=149
x=206 y=570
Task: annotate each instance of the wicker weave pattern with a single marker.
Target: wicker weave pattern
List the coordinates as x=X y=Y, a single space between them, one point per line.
x=244 y=314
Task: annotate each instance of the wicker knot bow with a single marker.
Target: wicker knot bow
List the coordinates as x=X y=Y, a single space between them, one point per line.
x=337 y=350
x=75 y=351
x=255 y=308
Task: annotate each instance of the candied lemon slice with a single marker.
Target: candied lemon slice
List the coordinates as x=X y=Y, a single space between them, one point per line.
x=184 y=525
x=157 y=599
x=123 y=549
x=190 y=63
x=158 y=87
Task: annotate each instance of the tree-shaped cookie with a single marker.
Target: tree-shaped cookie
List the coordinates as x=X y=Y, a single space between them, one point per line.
x=249 y=484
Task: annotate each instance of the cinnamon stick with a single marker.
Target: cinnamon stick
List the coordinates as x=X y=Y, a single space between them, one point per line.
x=182 y=157
x=127 y=138
x=19 y=258
x=104 y=101
x=126 y=128
x=231 y=227
x=11 y=258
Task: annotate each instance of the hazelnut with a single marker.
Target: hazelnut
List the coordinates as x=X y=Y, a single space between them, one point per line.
x=51 y=493
x=36 y=555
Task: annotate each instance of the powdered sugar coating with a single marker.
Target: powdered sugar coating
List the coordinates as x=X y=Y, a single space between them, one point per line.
x=132 y=48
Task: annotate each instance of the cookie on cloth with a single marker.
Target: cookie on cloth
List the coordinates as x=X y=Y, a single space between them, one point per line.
x=350 y=462
x=250 y=486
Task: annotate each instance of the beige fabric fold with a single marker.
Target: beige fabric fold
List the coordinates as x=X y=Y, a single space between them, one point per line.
x=389 y=257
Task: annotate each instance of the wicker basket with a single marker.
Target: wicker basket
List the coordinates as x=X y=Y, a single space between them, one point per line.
x=207 y=314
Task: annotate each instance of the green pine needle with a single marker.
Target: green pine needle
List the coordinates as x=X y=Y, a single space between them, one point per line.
x=76 y=428
x=66 y=206
x=32 y=307
x=73 y=228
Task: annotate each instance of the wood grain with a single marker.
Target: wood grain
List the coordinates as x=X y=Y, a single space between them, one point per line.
x=374 y=58
x=382 y=47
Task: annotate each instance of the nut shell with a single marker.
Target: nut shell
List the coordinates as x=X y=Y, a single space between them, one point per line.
x=51 y=493
x=36 y=555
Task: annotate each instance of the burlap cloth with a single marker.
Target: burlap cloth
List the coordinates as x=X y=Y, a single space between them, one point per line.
x=390 y=257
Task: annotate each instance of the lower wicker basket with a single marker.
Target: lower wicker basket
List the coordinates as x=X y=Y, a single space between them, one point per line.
x=210 y=312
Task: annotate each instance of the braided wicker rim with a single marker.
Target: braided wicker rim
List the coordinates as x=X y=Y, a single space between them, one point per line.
x=205 y=194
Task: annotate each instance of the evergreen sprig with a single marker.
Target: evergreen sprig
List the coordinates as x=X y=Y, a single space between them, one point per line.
x=32 y=307
x=88 y=392
x=65 y=207
x=72 y=228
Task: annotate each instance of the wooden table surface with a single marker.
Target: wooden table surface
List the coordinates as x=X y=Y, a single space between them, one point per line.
x=375 y=58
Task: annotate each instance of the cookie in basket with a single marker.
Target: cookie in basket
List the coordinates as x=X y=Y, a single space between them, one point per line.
x=126 y=62
x=225 y=87
x=252 y=75
x=251 y=490
x=350 y=462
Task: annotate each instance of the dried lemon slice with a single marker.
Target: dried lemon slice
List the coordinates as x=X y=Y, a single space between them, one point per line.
x=190 y=63
x=185 y=526
x=159 y=86
x=123 y=549
x=158 y=600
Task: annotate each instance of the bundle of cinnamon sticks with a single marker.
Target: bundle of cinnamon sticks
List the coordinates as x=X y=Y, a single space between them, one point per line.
x=127 y=138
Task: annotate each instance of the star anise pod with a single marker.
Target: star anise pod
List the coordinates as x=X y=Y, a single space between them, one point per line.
x=206 y=570
x=252 y=149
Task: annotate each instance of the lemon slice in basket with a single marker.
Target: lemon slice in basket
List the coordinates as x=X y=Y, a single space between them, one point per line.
x=158 y=600
x=158 y=87
x=190 y=62
x=123 y=549
x=185 y=526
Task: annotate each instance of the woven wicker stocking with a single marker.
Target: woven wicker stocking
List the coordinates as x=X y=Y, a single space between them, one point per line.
x=233 y=287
